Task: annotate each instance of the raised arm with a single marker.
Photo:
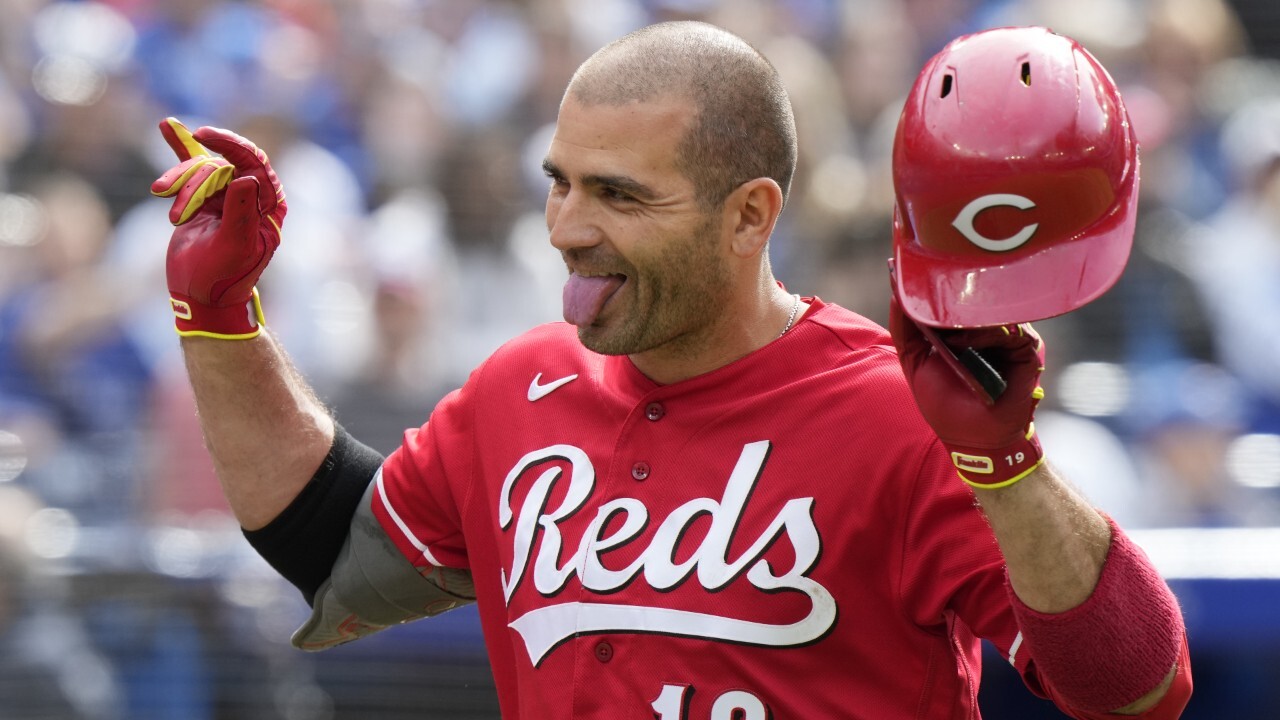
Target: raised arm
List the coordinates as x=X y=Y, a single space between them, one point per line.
x=297 y=483
x=264 y=428
x=1103 y=628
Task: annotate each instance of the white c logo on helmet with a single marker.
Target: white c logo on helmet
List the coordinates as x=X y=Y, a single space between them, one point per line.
x=964 y=222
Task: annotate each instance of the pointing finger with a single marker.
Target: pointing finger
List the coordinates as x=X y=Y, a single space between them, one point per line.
x=179 y=138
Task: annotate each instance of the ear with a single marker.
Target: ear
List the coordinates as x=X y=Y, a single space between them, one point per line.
x=752 y=210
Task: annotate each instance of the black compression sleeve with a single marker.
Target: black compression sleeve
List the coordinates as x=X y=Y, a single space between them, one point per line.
x=303 y=541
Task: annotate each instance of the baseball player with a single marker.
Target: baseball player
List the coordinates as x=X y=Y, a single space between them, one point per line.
x=702 y=497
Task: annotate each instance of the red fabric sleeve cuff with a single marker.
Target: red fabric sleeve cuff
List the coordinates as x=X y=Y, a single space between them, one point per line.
x=1117 y=645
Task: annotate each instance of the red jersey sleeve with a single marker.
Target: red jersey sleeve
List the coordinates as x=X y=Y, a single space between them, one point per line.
x=423 y=484
x=952 y=570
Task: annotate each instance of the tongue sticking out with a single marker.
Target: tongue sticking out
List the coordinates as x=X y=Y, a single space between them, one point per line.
x=585 y=296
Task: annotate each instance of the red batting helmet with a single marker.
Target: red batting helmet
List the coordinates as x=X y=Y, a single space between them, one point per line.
x=1015 y=170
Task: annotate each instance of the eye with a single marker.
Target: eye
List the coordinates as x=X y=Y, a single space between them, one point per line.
x=613 y=193
x=558 y=183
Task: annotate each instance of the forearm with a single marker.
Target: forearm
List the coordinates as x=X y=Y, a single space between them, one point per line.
x=1088 y=598
x=265 y=430
x=1053 y=541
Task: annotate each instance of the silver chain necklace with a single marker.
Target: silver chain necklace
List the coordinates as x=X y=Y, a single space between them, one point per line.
x=795 y=306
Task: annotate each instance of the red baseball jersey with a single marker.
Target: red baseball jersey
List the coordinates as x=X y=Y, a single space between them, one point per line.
x=783 y=537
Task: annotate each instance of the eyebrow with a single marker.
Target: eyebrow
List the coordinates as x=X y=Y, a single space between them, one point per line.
x=631 y=186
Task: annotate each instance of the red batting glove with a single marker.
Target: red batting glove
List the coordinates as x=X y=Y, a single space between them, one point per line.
x=993 y=444
x=227 y=212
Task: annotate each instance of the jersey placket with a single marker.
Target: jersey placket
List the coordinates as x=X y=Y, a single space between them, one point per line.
x=603 y=660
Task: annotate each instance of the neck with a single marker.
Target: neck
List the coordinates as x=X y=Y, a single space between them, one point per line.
x=762 y=319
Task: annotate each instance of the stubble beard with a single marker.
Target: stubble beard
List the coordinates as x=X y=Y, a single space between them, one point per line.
x=686 y=287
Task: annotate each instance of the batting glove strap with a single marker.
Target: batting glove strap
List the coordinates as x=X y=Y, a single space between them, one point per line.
x=995 y=468
x=236 y=322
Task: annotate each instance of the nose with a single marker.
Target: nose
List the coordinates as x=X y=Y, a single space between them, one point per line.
x=570 y=219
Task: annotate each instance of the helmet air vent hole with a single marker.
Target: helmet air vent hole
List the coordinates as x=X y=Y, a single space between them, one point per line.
x=946 y=85
x=1026 y=74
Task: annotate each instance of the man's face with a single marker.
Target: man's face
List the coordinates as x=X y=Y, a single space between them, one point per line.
x=647 y=265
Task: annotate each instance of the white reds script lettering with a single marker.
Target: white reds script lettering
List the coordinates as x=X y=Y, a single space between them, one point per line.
x=546 y=627
x=964 y=222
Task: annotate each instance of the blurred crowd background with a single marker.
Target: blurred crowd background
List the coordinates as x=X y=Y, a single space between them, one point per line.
x=408 y=134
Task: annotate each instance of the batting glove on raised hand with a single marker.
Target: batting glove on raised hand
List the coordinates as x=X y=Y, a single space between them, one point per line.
x=992 y=442
x=227 y=212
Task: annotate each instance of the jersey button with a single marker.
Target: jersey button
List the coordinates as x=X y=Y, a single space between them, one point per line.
x=604 y=651
x=654 y=411
x=640 y=470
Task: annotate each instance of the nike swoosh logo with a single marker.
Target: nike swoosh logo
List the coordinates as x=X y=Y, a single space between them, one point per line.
x=537 y=391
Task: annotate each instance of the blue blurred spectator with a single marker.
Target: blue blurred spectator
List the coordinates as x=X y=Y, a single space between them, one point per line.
x=48 y=668
x=69 y=375
x=410 y=132
x=1236 y=260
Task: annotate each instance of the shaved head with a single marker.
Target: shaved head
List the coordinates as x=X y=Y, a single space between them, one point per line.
x=743 y=128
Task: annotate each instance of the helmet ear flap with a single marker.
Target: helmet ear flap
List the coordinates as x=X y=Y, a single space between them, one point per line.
x=1015 y=176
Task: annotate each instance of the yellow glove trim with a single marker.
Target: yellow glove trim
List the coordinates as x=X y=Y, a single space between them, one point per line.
x=176 y=184
x=216 y=181
x=1003 y=483
x=219 y=336
x=257 y=312
x=194 y=148
x=262 y=319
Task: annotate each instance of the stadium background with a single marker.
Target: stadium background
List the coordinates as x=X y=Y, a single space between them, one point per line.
x=408 y=134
